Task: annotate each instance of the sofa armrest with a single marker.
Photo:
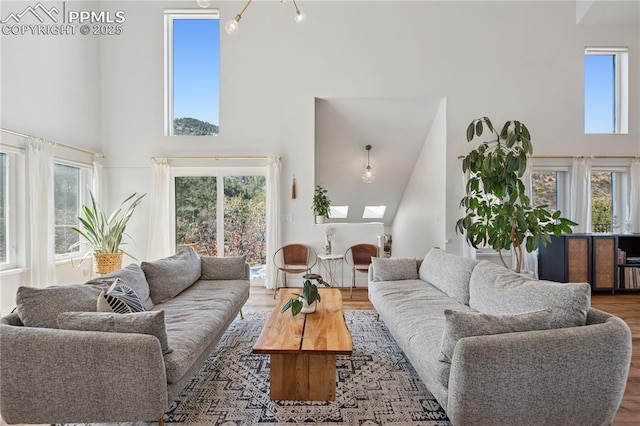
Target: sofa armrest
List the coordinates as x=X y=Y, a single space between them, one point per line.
x=571 y=375
x=63 y=376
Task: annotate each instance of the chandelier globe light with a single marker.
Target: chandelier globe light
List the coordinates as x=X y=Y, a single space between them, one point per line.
x=232 y=27
x=368 y=175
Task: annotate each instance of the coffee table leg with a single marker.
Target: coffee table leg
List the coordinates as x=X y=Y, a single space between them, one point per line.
x=308 y=377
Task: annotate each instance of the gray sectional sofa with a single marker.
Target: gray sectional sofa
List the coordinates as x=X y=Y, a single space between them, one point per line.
x=62 y=362
x=496 y=348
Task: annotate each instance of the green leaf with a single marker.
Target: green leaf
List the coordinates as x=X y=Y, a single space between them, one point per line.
x=470 y=132
x=286 y=306
x=296 y=307
x=479 y=128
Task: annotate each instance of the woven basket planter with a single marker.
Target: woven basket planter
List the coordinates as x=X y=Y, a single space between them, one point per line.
x=107 y=262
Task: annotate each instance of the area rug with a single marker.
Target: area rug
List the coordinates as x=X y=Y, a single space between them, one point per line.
x=376 y=384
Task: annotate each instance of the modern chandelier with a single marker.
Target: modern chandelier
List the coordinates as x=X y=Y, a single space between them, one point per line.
x=231 y=27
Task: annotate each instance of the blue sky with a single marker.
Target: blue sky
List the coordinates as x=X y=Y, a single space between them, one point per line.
x=196 y=65
x=599 y=84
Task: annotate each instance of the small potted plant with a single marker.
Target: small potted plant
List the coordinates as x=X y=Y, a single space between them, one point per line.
x=305 y=302
x=104 y=233
x=321 y=204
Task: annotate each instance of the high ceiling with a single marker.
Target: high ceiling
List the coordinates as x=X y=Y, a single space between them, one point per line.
x=396 y=128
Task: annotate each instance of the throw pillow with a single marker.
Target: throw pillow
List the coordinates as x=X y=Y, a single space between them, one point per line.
x=394 y=269
x=131 y=276
x=494 y=289
x=448 y=273
x=169 y=276
x=120 y=299
x=39 y=307
x=142 y=323
x=466 y=324
x=223 y=268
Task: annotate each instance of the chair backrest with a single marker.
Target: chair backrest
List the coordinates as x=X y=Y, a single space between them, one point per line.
x=361 y=254
x=295 y=254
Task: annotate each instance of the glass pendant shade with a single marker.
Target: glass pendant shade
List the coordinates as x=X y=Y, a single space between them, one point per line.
x=231 y=27
x=368 y=175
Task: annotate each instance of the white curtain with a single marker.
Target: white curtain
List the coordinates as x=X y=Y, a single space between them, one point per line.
x=580 y=207
x=41 y=213
x=159 y=245
x=273 y=216
x=96 y=188
x=529 y=260
x=634 y=198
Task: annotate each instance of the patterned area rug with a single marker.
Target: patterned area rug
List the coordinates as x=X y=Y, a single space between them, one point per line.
x=376 y=384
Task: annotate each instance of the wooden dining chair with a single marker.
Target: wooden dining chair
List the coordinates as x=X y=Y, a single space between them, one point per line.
x=293 y=259
x=359 y=256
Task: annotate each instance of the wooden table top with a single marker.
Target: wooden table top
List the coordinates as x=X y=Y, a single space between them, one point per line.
x=323 y=332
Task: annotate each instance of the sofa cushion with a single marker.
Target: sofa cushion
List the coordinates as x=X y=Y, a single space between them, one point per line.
x=466 y=324
x=449 y=273
x=39 y=307
x=497 y=290
x=223 y=268
x=198 y=317
x=131 y=276
x=141 y=323
x=169 y=276
x=394 y=269
x=120 y=299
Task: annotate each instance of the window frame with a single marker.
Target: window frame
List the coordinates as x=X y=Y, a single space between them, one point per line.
x=16 y=199
x=621 y=90
x=86 y=177
x=169 y=16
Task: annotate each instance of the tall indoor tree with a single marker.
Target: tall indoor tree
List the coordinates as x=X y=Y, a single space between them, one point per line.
x=498 y=212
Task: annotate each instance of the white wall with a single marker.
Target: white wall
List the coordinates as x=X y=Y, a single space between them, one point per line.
x=419 y=224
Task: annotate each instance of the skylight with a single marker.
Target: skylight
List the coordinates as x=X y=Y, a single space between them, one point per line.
x=374 y=212
x=338 y=212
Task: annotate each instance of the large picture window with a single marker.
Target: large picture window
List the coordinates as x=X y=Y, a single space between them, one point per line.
x=192 y=64
x=606 y=90
x=68 y=197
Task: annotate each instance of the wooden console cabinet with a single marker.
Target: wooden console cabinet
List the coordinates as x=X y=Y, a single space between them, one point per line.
x=599 y=259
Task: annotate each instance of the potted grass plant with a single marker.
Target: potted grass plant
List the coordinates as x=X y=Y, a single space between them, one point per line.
x=104 y=233
x=498 y=212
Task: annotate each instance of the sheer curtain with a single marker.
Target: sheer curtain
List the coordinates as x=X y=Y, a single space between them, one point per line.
x=529 y=260
x=160 y=215
x=96 y=188
x=41 y=216
x=273 y=215
x=634 y=198
x=580 y=207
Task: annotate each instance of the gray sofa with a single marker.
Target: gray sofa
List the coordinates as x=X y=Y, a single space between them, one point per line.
x=54 y=375
x=496 y=348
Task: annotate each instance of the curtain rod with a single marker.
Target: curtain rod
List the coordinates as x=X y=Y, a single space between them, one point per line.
x=242 y=157
x=56 y=144
x=610 y=157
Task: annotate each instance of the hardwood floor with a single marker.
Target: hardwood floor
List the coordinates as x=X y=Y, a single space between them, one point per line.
x=626 y=306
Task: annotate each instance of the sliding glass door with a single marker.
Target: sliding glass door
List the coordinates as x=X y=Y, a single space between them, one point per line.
x=223 y=213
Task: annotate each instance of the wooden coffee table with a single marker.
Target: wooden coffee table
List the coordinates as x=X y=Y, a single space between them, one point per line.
x=303 y=348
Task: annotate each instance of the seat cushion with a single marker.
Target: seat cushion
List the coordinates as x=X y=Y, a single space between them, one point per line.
x=196 y=318
x=494 y=289
x=449 y=273
x=169 y=276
